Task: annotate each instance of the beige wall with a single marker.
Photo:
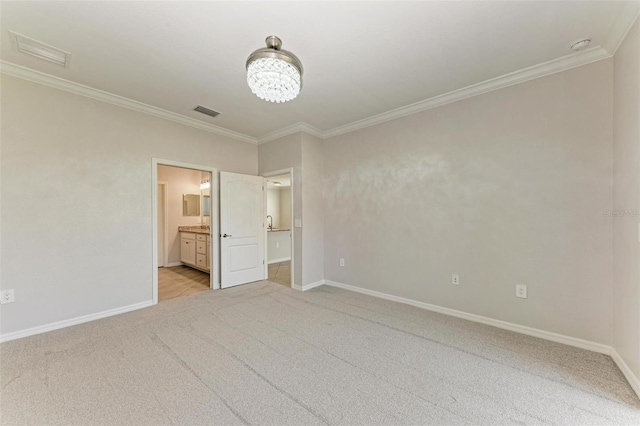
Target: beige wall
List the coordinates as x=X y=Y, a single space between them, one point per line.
x=626 y=200
x=312 y=209
x=76 y=199
x=273 y=206
x=285 y=153
x=179 y=181
x=285 y=208
x=503 y=188
x=304 y=153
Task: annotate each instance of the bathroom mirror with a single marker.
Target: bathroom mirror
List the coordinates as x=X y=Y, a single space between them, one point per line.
x=190 y=204
x=206 y=205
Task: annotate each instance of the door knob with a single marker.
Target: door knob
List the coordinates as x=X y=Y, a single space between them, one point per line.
x=226 y=235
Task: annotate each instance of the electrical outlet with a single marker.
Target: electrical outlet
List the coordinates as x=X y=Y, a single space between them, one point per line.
x=277 y=245
x=342 y=261
x=521 y=291
x=455 y=279
x=7 y=296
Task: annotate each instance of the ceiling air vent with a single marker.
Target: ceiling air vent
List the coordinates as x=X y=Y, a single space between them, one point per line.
x=206 y=111
x=40 y=50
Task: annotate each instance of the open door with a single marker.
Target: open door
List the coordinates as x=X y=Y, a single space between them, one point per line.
x=242 y=212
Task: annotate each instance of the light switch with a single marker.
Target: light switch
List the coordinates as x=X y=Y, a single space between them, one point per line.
x=298 y=223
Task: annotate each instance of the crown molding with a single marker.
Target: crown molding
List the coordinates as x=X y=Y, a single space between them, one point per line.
x=100 y=95
x=574 y=60
x=290 y=130
x=567 y=62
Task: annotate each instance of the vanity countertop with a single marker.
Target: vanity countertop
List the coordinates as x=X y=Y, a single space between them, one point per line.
x=278 y=229
x=195 y=229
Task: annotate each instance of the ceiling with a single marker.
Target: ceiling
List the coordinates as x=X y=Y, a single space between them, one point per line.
x=360 y=59
x=285 y=181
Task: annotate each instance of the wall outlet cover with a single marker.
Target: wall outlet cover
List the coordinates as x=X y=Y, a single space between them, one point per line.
x=455 y=279
x=342 y=261
x=7 y=296
x=521 y=291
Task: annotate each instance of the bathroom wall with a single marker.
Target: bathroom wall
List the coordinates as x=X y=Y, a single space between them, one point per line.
x=279 y=246
x=206 y=192
x=179 y=182
x=279 y=206
x=285 y=208
x=273 y=206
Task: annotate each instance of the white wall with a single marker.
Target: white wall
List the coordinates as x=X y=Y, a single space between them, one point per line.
x=279 y=246
x=626 y=200
x=179 y=181
x=507 y=187
x=76 y=193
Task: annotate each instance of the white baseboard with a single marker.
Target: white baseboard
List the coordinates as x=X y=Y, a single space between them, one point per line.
x=542 y=334
x=73 y=321
x=308 y=286
x=282 y=259
x=554 y=337
x=628 y=374
x=172 y=264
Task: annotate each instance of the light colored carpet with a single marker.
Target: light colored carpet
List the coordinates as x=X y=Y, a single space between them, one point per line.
x=265 y=354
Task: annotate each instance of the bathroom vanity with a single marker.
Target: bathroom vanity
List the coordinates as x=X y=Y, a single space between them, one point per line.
x=195 y=246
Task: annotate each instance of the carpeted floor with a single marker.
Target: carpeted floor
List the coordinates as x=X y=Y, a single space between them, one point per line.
x=265 y=354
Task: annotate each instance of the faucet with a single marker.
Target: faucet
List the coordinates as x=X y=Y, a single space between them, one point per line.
x=270 y=224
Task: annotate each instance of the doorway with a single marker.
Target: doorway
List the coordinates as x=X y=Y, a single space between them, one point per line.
x=280 y=227
x=179 y=205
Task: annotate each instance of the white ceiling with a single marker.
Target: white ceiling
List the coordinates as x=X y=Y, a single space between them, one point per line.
x=285 y=181
x=360 y=58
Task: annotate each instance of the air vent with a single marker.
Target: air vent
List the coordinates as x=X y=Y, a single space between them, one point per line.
x=40 y=50
x=206 y=111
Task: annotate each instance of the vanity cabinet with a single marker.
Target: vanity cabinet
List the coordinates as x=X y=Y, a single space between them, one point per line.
x=188 y=248
x=194 y=250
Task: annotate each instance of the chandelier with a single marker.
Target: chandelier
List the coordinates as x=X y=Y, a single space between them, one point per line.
x=272 y=74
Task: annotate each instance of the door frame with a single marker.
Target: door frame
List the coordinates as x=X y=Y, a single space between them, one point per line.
x=293 y=259
x=165 y=190
x=214 y=261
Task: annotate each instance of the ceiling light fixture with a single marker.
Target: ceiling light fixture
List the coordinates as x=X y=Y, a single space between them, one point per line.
x=580 y=44
x=273 y=74
x=276 y=184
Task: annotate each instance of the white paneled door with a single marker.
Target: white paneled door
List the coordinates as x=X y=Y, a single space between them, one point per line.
x=242 y=213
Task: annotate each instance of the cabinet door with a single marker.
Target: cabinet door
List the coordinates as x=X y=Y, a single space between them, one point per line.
x=188 y=251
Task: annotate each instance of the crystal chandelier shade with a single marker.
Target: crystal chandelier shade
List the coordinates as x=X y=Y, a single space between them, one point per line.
x=272 y=74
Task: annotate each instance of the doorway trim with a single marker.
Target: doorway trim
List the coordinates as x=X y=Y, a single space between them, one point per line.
x=293 y=256
x=214 y=273
x=165 y=189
